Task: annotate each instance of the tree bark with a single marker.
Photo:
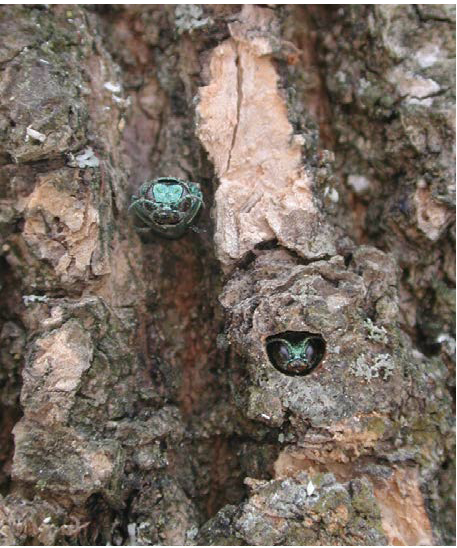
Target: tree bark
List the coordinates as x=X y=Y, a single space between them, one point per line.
x=142 y=398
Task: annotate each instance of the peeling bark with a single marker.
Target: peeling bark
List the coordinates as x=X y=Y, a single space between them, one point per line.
x=140 y=403
x=264 y=191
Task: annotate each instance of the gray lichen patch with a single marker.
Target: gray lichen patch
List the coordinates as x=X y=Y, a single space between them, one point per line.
x=381 y=365
x=84 y=159
x=190 y=17
x=304 y=511
x=376 y=333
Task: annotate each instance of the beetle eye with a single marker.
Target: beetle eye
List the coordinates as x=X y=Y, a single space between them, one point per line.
x=314 y=351
x=309 y=352
x=278 y=353
x=185 y=205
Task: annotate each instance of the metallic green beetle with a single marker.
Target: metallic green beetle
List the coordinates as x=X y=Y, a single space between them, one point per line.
x=167 y=206
x=294 y=353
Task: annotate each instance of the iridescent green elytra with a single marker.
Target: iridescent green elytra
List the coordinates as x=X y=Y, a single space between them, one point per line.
x=295 y=353
x=167 y=206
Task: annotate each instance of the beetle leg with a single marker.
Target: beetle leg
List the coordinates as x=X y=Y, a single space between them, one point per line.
x=140 y=212
x=140 y=201
x=145 y=218
x=145 y=187
x=142 y=229
x=195 y=200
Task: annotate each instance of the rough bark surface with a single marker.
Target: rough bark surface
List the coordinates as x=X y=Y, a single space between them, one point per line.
x=139 y=405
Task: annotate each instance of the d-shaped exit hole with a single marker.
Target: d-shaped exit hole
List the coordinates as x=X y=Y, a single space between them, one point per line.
x=295 y=353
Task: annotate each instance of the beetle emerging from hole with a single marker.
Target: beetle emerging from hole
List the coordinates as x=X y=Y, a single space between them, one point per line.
x=167 y=206
x=295 y=353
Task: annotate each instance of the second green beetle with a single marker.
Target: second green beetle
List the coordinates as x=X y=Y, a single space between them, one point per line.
x=294 y=353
